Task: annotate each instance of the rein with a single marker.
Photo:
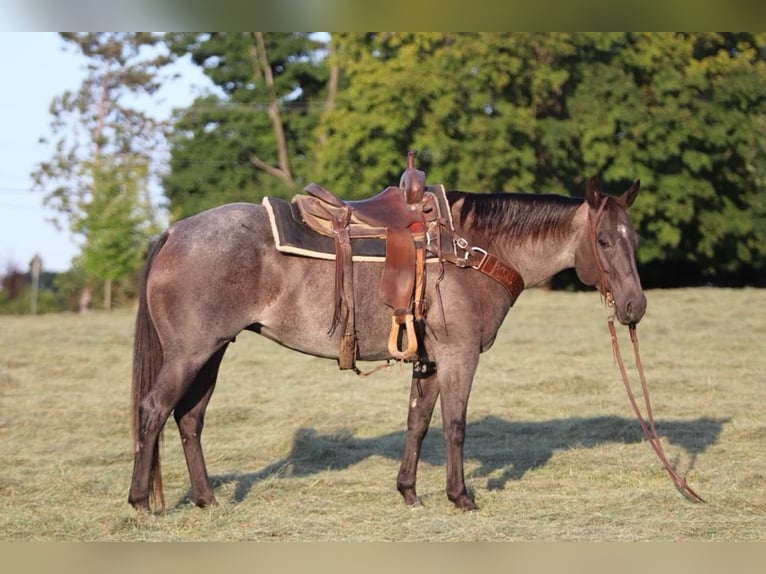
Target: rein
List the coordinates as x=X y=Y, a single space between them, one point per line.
x=650 y=431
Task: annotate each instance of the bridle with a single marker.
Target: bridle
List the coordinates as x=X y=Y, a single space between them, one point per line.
x=650 y=431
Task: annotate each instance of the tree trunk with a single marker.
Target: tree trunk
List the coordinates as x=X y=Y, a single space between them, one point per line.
x=107 y=294
x=84 y=303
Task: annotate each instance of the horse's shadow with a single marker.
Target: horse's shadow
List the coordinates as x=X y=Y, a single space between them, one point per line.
x=506 y=450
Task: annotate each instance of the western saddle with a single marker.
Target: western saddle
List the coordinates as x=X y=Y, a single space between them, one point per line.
x=407 y=217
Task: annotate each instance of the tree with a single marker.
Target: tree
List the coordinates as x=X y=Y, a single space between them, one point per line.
x=104 y=149
x=687 y=114
x=531 y=112
x=117 y=221
x=252 y=138
x=543 y=112
x=471 y=104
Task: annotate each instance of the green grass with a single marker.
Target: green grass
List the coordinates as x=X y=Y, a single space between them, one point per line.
x=298 y=450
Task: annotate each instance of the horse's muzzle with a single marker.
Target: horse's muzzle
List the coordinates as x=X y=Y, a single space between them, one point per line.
x=632 y=310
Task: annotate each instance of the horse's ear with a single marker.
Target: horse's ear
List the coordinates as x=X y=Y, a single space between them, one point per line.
x=627 y=198
x=592 y=193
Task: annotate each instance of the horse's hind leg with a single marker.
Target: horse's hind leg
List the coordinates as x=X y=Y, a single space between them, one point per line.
x=423 y=396
x=189 y=415
x=173 y=380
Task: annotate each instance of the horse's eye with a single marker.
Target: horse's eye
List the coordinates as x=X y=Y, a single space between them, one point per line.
x=603 y=242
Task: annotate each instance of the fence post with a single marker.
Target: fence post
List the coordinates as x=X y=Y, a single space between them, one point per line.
x=34 y=268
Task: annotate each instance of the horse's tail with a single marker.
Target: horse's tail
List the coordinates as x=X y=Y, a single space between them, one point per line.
x=147 y=360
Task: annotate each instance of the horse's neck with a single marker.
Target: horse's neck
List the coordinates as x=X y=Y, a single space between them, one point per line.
x=539 y=259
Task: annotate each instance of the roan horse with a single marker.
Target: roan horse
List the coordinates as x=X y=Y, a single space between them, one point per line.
x=217 y=273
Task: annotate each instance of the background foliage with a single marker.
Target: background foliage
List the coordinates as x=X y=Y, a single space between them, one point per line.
x=532 y=112
x=529 y=112
x=98 y=178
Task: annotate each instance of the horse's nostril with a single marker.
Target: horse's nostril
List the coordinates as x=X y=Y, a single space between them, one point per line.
x=635 y=308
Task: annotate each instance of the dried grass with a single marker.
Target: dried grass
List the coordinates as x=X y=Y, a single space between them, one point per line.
x=300 y=451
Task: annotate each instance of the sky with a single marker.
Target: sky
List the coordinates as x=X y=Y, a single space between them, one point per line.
x=35 y=69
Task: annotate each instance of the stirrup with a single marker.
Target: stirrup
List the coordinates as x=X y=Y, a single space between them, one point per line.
x=410 y=352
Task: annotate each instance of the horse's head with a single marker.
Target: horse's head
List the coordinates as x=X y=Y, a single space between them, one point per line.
x=606 y=255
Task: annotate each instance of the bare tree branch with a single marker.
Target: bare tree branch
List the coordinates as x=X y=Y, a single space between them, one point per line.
x=276 y=120
x=270 y=169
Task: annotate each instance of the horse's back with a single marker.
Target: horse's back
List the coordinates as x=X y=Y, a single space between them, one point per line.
x=224 y=226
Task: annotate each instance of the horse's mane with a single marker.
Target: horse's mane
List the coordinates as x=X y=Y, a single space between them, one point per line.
x=516 y=215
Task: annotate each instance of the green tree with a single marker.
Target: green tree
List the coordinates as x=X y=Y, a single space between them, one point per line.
x=104 y=147
x=534 y=112
x=251 y=138
x=117 y=222
x=471 y=104
x=543 y=112
x=687 y=114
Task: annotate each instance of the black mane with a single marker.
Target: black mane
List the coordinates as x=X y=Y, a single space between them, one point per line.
x=522 y=215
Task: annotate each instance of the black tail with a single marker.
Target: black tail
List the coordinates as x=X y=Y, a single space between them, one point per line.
x=147 y=360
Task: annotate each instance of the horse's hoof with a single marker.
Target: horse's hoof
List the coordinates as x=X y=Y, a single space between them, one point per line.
x=410 y=498
x=206 y=502
x=464 y=502
x=142 y=506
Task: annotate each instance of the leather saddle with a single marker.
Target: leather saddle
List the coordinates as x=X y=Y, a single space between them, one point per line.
x=405 y=216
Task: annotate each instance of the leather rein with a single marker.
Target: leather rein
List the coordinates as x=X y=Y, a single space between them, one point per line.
x=507 y=276
x=649 y=430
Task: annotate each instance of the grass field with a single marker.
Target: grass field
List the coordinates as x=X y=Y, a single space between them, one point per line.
x=298 y=450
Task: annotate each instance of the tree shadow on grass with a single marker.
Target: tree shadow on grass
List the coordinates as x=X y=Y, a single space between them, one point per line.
x=511 y=448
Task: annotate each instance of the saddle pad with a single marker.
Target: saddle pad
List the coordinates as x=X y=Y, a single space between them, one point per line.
x=293 y=236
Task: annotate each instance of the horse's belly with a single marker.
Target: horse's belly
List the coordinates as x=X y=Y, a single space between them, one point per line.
x=321 y=344
x=300 y=316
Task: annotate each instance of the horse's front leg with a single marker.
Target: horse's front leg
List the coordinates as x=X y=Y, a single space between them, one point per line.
x=455 y=380
x=423 y=394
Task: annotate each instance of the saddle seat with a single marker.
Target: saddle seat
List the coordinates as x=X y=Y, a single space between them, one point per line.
x=385 y=210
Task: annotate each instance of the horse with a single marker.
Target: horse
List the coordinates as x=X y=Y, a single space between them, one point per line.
x=217 y=273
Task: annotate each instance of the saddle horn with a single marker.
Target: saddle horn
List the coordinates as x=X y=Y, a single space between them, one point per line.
x=413 y=181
